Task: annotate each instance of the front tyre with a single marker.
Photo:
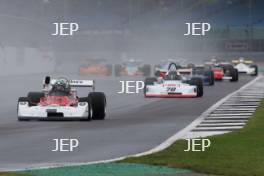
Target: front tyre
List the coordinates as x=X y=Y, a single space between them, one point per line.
x=149 y=81
x=86 y=99
x=34 y=98
x=198 y=82
x=20 y=100
x=98 y=105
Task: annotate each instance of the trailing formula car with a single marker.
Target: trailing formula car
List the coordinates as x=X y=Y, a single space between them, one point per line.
x=203 y=72
x=173 y=85
x=59 y=101
x=162 y=68
x=95 y=67
x=132 y=68
x=218 y=73
x=245 y=66
x=223 y=71
x=188 y=72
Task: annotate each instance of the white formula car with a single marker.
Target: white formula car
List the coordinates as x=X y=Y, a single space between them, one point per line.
x=245 y=66
x=173 y=85
x=59 y=101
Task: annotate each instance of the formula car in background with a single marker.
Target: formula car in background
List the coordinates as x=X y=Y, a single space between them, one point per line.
x=95 y=67
x=223 y=71
x=59 y=101
x=199 y=71
x=188 y=72
x=245 y=66
x=173 y=85
x=162 y=68
x=132 y=68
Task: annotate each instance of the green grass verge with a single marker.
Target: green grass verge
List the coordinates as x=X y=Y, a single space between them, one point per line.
x=239 y=153
x=108 y=169
x=12 y=174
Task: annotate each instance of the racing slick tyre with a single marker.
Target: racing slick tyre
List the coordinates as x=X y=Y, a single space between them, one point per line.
x=22 y=99
x=98 y=105
x=47 y=80
x=34 y=98
x=146 y=70
x=198 y=82
x=156 y=70
x=118 y=70
x=211 y=77
x=256 y=70
x=109 y=70
x=86 y=99
x=149 y=81
x=157 y=73
x=234 y=75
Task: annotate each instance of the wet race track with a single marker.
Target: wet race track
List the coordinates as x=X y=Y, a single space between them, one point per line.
x=133 y=123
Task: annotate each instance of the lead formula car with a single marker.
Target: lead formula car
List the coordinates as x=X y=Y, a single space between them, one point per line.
x=59 y=101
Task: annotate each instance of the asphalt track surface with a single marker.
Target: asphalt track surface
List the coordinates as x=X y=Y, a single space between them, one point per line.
x=133 y=124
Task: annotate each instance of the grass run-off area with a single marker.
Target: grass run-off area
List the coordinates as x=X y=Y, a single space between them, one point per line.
x=13 y=174
x=239 y=153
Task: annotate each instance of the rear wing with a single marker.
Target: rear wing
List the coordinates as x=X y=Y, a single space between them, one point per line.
x=242 y=61
x=83 y=83
x=209 y=63
x=73 y=83
x=248 y=62
x=185 y=71
x=235 y=61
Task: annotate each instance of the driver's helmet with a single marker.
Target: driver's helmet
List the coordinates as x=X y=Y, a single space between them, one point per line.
x=190 y=65
x=172 y=75
x=62 y=85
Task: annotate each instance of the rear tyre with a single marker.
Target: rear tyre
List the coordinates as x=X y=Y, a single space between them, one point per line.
x=149 y=81
x=212 y=78
x=256 y=70
x=234 y=75
x=47 y=80
x=110 y=69
x=146 y=70
x=34 y=98
x=118 y=70
x=198 y=82
x=98 y=105
x=210 y=75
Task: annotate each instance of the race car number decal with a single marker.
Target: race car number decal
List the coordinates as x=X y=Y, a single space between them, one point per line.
x=171 y=89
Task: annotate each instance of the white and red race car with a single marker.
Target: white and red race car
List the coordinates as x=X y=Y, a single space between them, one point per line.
x=173 y=85
x=59 y=101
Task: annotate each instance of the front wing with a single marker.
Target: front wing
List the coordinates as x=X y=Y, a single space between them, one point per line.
x=166 y=91
x=81 y=111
